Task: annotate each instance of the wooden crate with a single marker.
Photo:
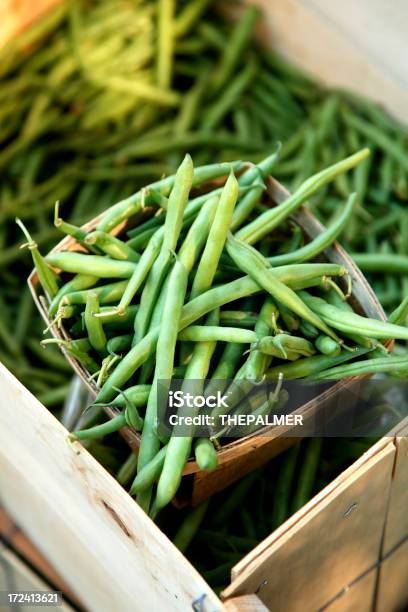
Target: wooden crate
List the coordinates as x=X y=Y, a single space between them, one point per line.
x=98 y=539
x=347 y=548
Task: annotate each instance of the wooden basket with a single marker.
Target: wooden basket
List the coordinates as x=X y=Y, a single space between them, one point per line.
x=241 y=456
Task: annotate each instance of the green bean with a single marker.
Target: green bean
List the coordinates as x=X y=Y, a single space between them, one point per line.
x=127 y=470
x=46 y=276
x=352 y=322
x=140 y=235
x=212 y=35
x=78 y=283
x=198 y=233
x=327 y=345
x=280 y=507
x=118 y=344
x=24 y=316
x=248 y=202
x=67 y=228
x=115 y=248
x=257 y=361
x=278 y=90
x=381 y=262
x=230 y=318
x=93 y=325
x=226 y=366
x=271 y=219
x=322 y=241
x=241 y=123
x=221 y=106
x=190 y=14
x=149 y=474
x=148 y=367
x=99 y=431
x=274 y=403
x=334 y=299
x=361 y=368
x=254 y=264
x=80 y=263
x=216 y=238
x=307 y=474
x=309 y=366
x=136 y=395
x=8 y=340
x=106 y=293
x=235 y=49
x=145 y=264
x=179 y=446
x=385 y=142
x=379 y=226
x=400 y=314
x=291 y=321
x=206 y=333
x=205 y=455
x=240 y=543
x=293 y=242
x=285 y=344
x=234 y=500
x=172 y=227
x=190 y=526
x=166 y=9
x=166 y=342
x=308 y=330
x=248 y=523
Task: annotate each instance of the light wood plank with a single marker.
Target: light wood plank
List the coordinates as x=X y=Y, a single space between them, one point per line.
x=333 y=55
x=109 y=552
x=393 y=581
x=246 y=603
x=397 y=520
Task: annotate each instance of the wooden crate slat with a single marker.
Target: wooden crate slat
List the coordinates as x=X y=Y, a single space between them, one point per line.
x=397 y=520
x=246 y=603
x=392 y=594
x=100 y=541
x=332 y=56
x=328 y=548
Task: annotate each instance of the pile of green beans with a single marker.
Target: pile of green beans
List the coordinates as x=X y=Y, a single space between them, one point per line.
x=138 y=317
x=98 y=98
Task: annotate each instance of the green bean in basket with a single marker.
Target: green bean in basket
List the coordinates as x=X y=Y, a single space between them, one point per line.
x=300 y=332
